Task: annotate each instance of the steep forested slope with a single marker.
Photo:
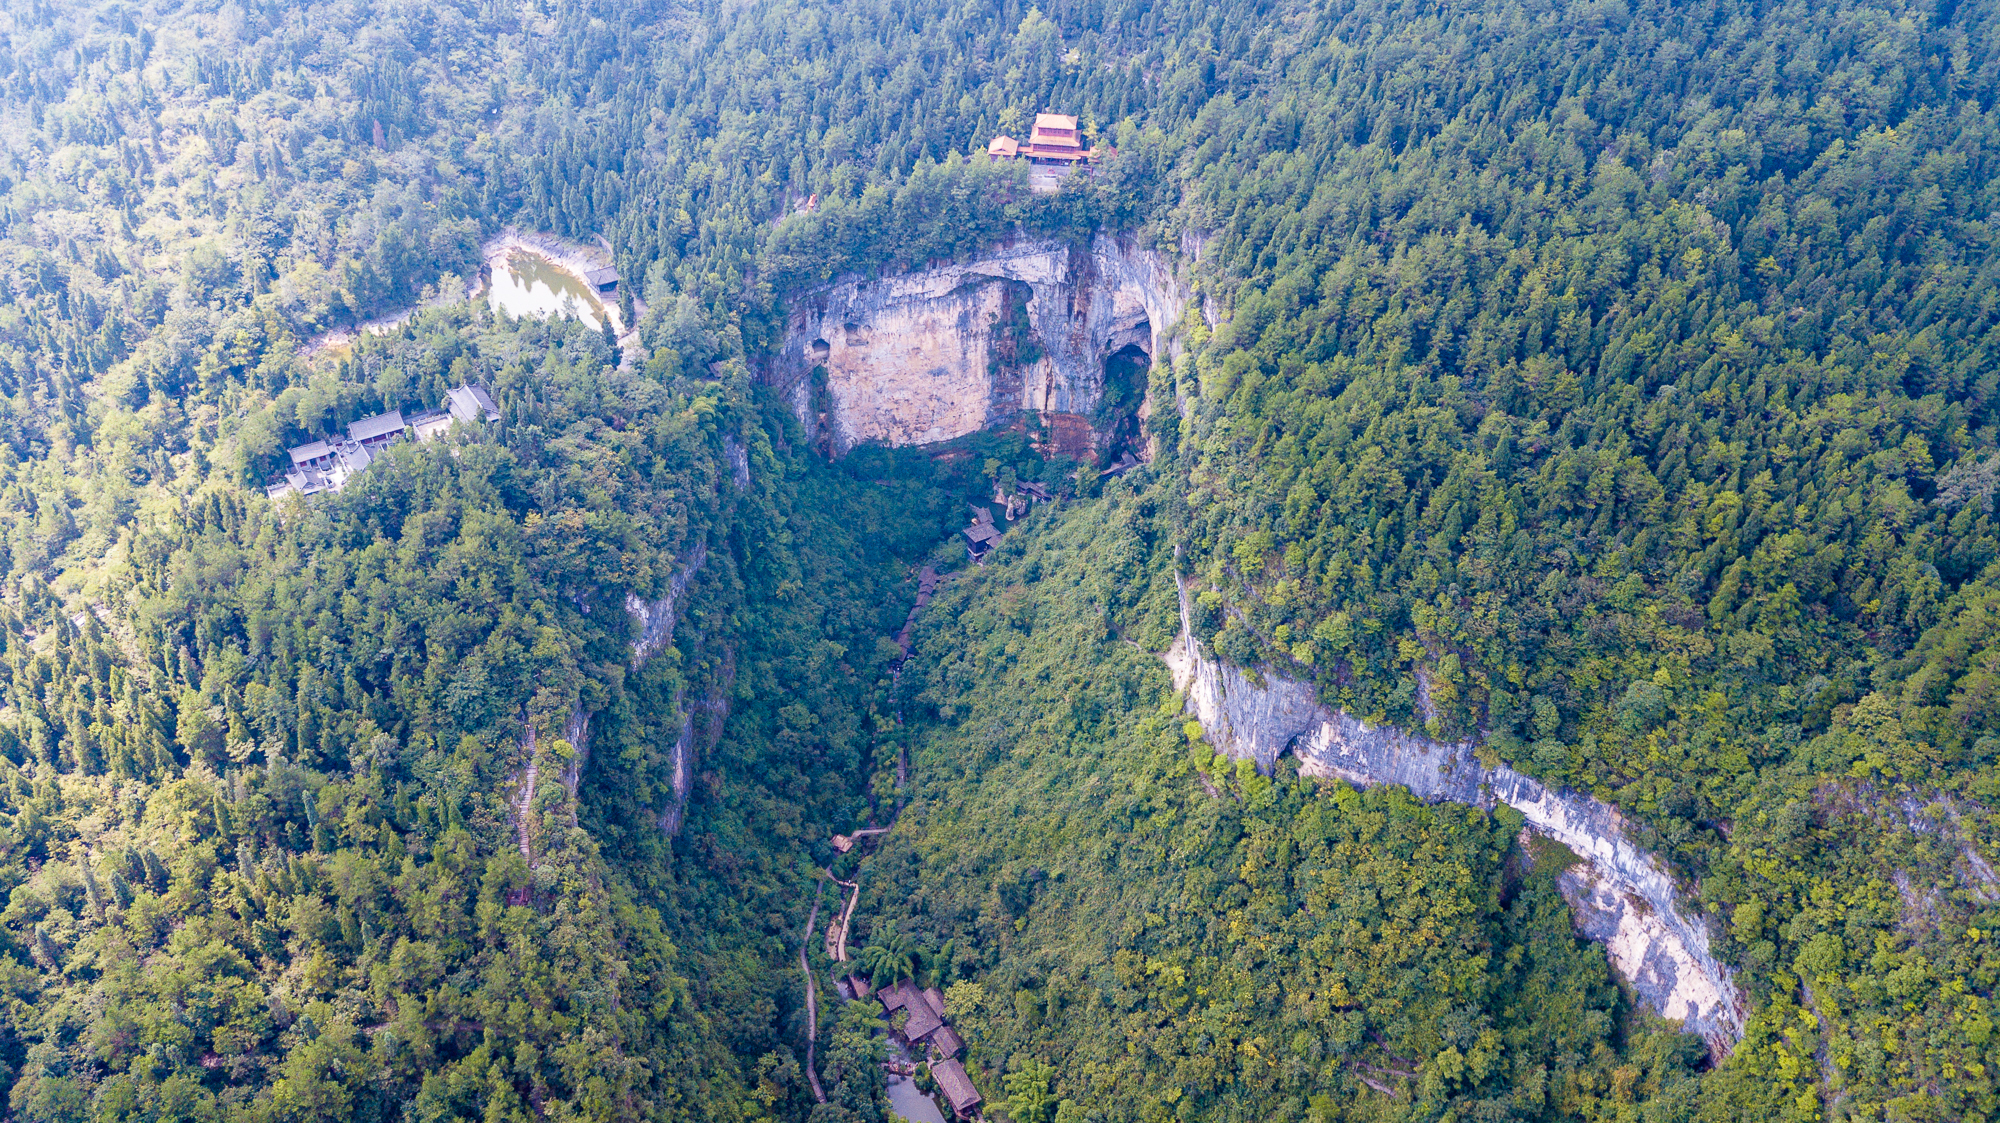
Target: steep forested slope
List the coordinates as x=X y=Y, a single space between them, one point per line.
x=260 y=848
x=1150 y=931
x=1634 y=413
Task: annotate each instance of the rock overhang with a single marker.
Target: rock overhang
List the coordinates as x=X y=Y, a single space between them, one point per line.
x=938 y=353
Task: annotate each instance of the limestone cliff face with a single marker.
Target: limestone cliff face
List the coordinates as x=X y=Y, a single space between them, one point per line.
x=935 y=354
x=656 y=621
x=1621 y=896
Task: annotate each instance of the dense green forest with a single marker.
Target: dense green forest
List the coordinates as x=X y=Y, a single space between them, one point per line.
x=1164 y=933
x=1612 y=381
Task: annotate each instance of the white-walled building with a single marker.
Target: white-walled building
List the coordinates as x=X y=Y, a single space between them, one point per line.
x=327 y=465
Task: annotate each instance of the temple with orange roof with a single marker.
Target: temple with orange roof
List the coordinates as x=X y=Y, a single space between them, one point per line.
x=1052 y=150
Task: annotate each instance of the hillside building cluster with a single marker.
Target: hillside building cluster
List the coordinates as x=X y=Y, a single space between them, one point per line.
x=328 y=464
x=928 y=1028
x=1053 y=150
x=984 y=533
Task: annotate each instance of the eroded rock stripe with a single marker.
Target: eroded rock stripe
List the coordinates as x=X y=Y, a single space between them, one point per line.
x=1622 y=896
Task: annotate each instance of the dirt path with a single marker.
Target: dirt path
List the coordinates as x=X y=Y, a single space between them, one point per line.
x=836 y=935
x=812 y=1002
x=573 y=258
x=340 y=339
x=857 y=836
x=836 y=932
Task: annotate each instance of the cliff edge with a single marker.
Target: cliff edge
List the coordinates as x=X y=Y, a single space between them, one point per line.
x=1622 y=896
x=932 y=355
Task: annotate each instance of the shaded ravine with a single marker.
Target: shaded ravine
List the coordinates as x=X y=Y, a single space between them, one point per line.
x=836 y=933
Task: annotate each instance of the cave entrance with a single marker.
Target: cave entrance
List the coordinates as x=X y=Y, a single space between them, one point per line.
x=1127 y=371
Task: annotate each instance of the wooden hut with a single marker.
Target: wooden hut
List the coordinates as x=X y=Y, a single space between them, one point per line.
x=957 y=1085
x=946 y=1043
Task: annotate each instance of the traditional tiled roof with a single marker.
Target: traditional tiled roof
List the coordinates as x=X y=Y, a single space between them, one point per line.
x=947 y=1042
x=1055 y=127
x=923 y=1020
x=893 y=997
x=328 y=464
x=470 y=403
x=1055 y=138
x=380 y=425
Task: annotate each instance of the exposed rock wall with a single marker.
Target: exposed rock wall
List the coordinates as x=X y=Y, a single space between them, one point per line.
x=656 y=618
x=656 y=621
x=1622 y=896
x=934 y=354
x=577 y=732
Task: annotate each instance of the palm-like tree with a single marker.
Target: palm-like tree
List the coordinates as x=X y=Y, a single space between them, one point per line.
x=935 y=969
x=892 y=956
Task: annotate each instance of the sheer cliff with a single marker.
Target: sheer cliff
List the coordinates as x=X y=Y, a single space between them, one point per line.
x=935 y=354
x=1621 y=895
x=928 y=356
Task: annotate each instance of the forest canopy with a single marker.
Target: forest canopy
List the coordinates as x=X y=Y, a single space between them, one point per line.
x=1610 y=383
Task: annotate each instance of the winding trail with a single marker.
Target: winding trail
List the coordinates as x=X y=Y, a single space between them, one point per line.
x=842 y=843
x=812 y=1003
x=836 y=932
x=928 y=582
x=836 y=935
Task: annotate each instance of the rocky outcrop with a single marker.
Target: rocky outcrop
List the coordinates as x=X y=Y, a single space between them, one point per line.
x=656 y=618
x=739 y=461
x=656 y=621
x=576 y=731
x=1621 y=895
x=938 y=353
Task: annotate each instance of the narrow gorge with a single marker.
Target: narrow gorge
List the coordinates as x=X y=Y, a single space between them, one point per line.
x=1029 y=330
x=1308 y=563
